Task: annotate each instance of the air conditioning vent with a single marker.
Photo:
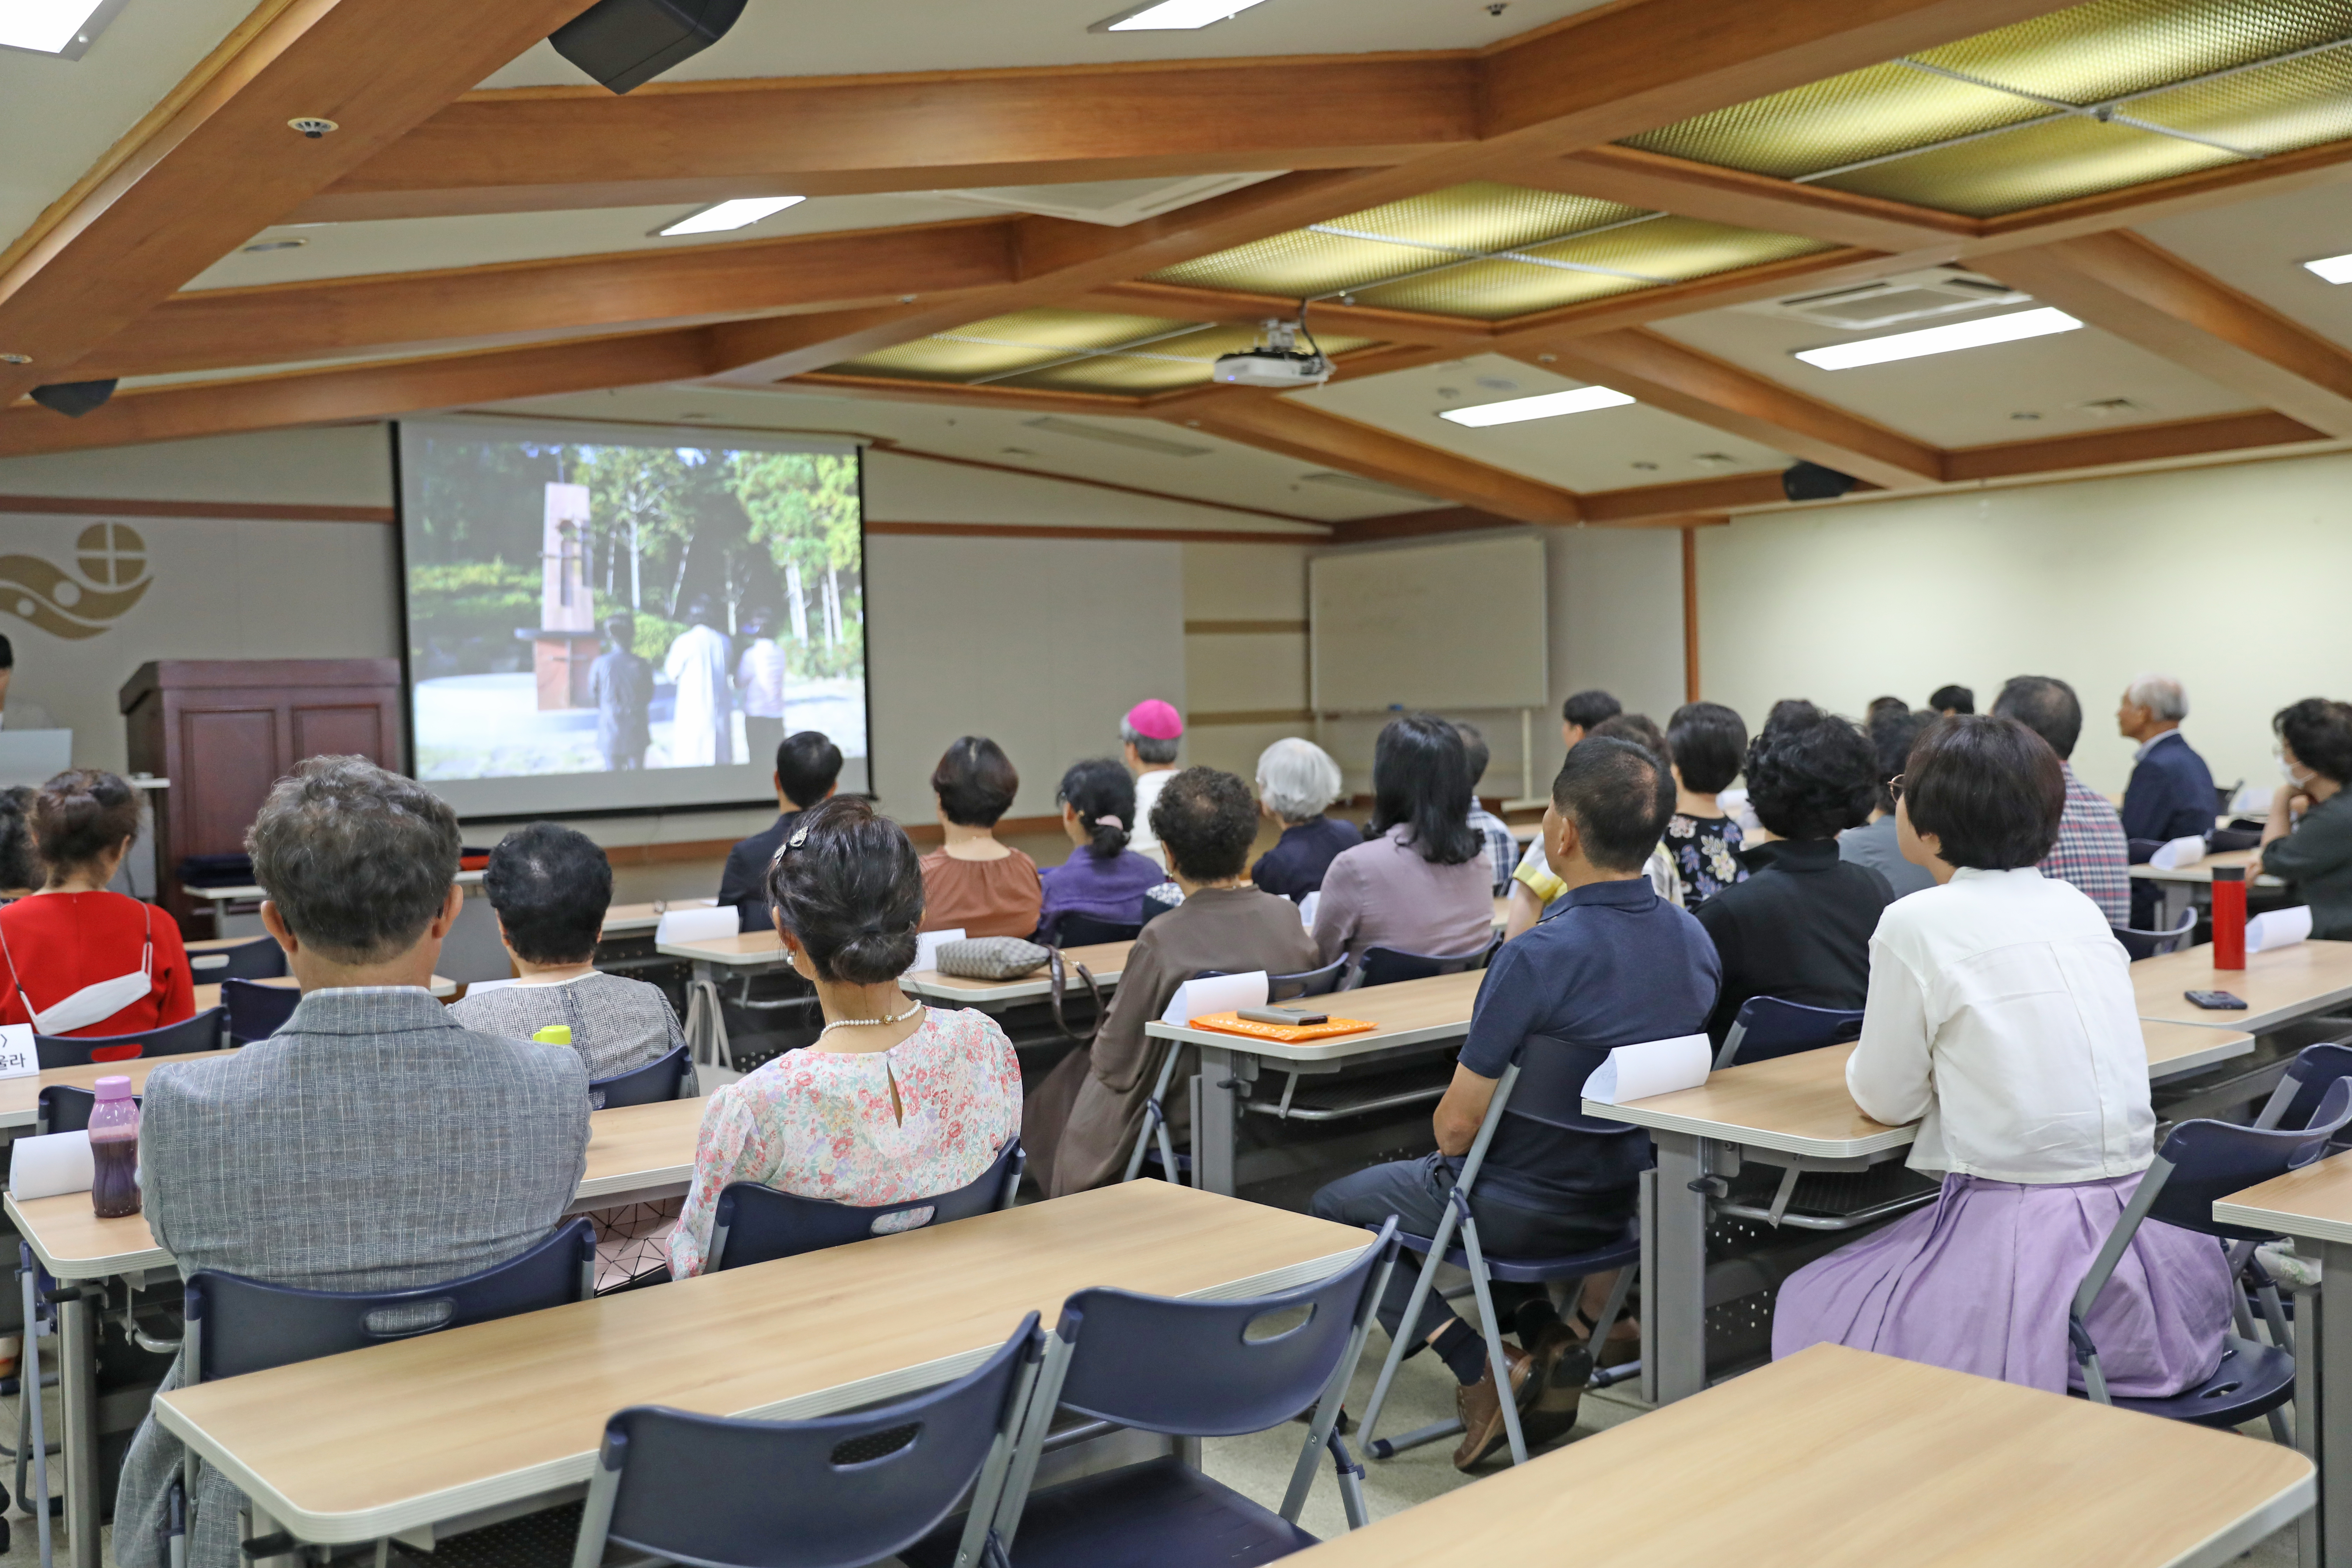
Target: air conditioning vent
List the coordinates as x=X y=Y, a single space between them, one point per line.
x=1886 y=301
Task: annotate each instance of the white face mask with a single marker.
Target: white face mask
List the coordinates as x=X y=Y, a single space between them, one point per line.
x=2286 y=772
x=93 y=1003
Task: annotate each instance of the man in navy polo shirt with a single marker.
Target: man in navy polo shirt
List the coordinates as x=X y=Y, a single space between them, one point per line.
x=1611 y=964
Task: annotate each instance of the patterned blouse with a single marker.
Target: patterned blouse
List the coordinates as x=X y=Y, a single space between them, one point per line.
x=1706 y=853
x=818 y=1124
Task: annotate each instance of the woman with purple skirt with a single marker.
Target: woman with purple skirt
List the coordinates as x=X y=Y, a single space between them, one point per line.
x=2000 y=1019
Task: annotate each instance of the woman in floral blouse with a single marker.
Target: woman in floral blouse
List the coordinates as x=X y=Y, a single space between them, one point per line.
x=894 y=1101
x=1708 y=742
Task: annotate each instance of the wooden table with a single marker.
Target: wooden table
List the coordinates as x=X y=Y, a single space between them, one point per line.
x=1839 y=1459
x=1414 y=1017
x=1104 y=960
x=2315 y=1206
x=750 y=953
x=2278 y=986
x=633 y=920
x=20 y=1097
x=2176 y=889
x=1779 y=1112
x=425 y=1433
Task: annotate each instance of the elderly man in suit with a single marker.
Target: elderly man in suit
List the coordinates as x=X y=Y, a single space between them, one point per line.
x=372 y=1143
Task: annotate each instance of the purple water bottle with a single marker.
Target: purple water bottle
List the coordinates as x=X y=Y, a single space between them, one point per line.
x=114 y=1150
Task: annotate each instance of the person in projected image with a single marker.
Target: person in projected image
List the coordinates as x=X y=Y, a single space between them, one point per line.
x=622 y=685
x=759 y=686
x=700 y=732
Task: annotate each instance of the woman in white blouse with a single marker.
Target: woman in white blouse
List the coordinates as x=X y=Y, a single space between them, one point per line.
x=2000 y=1019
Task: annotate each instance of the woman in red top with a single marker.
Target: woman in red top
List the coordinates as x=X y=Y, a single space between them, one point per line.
x=74 y=958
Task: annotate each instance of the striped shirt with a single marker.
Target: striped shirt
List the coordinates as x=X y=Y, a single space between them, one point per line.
x=2091 y=851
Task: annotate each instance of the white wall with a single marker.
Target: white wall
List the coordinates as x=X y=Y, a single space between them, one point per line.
x=2231 y=578
x=1616 y=619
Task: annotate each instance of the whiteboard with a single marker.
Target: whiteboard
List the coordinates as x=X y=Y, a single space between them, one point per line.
x=1440 y=626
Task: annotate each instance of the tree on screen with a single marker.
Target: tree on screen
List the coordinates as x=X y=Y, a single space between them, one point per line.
x=804 y=509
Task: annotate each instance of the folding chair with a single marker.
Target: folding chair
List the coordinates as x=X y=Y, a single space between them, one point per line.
x=201 y=1033
x=835 y=1491
x=1173 y=1167
x=257 y=1012
x=1084 y=931
x=1553 y=1072
x=1186 y=1368
x=656 y=1081
x=2201 y=1162
x=752 y=1224
x=1767 y=1026
x=260 y=959
x=2150 y=943
x=1389 y=965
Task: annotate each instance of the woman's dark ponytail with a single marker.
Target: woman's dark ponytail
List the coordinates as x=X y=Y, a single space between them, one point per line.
x=1103 y=794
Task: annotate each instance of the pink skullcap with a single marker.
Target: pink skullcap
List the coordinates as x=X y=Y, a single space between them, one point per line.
x=1155 y=720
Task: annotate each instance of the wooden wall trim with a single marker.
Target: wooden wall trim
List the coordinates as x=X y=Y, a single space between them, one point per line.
x=927 y=834
x=1046 y=531
x=258 y=511
x=1243 y=629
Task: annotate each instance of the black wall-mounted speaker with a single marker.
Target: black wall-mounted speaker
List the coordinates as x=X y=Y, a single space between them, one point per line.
x=1811 y=481
x=74 y=398
x=627 y=43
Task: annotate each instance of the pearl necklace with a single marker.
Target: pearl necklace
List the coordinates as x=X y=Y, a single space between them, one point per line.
x=868 y=1023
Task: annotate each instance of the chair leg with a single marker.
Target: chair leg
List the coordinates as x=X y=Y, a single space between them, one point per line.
x=37 y=1439
x=1618 y=1294
x=1324 y=1429
x=1402 y=1339
x=1154 y=1119
x=1497 y=1362
x=1351 y=1483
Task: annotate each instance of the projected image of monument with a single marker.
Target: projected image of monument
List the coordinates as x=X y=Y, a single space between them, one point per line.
x=581 y=607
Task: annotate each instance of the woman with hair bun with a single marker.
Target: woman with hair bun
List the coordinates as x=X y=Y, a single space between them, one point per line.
x=74 y=958
x=1102 y=878
x=894 y=1101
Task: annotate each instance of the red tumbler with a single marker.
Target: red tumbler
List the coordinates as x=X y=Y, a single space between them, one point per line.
x=2228 y=917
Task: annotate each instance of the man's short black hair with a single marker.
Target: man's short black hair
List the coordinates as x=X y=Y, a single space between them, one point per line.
x=975 y=781
x=1708 y=743
x=808 y=765
x=1891 y=736
x=1638 y=728
x=551 y=886
x=1206 y=820
x=1952 y=700
x=1812 y=781
x=2319 y=732
x=2045 y=705
x=1475 y=751
x=1989 y=789
x=1620 y=797
x=1587 y=709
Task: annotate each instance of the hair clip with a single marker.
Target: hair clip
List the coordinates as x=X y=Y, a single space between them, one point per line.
x=794 y=842
x=1108 y=822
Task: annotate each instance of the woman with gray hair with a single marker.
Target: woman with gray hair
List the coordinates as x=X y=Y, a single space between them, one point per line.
x=1296 y=780
x=2170 y=795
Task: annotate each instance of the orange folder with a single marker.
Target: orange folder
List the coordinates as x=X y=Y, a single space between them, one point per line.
x=1289 y=1034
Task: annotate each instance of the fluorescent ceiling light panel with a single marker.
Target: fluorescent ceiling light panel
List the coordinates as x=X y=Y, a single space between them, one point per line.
x=46 y=26
x=741 y=213
x=1549 y=406
x=1169 y=15
x=2006 y=329
x=2335 y=269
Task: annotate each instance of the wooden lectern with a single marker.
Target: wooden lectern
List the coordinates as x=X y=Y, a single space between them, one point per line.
x=224 y=730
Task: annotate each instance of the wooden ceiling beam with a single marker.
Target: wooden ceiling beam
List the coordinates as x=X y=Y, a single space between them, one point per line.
x=1732 y=196
x=217 y=161
x=2167 y=441
x=949 y=394
x=2138 y=291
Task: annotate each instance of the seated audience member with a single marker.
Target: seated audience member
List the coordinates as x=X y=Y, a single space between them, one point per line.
x=2090 y=852
x=1420 y=880
x=75 y=959
x=2171 y=793
x=1102 y=878
x=808 y=770
x=1708 y=741
x=1534 y=889
x=1799 y=926
x=1581 y=713
x=1081 y=1122
x=2307 y=838
x=1502 y=849
x=1149 y=738
x=972 y=883
x=1949 y=700
x=372 y=1143
x=1882 y=708
x=1873 y=844
x=895 y=1100
x=1296 y=780
x=1617 y=964
x=20 y=863
x=2000 y=1018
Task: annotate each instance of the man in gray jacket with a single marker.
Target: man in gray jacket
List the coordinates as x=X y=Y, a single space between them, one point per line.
x=372 y=1143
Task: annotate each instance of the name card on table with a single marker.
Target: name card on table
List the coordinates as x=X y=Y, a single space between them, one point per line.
x=1654 y=1067
x=696 y=925
x=927 y=945
x=2179 y=853
x=2278 y=928
x=46 y=1166
x=17 y=1057
x=1221 y=993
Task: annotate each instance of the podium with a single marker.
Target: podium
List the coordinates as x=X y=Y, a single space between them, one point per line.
x=224 y=730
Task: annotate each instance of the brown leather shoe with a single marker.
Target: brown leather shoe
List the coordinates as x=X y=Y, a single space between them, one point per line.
x=1561 y=1367
x=1483 y=1430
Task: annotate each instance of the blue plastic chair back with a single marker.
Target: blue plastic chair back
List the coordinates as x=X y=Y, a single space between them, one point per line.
x=256 y=1012
x=2314 y=1069
x=1281 y=988
x=238 y=1325
x=201 y=1033
x=650 y=1084
x=831 y=1492
x=752 y=1224
x=2211 y=1160
x=64 y=1109
x=1075 y=930
x=2142 y=944
x=260 y=959
x=1388 y=966
x=1192 y=1367
x=1769 y=1028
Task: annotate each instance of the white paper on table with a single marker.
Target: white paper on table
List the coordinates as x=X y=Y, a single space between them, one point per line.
x=1307 y=907
x=2278 y=928
x=1221 y=994
x=18 y=1058
x=927 y=945
x=1653 y=1067
x=45 y=1167
x=696 y=925
x=2179 y=853
x=2251 y=800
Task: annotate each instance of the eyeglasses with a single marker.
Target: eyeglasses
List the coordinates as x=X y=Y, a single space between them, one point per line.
x=1894 y=787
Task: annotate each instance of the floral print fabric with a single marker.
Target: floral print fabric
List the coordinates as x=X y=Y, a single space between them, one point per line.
x=818 y=1124
x=1706 y=853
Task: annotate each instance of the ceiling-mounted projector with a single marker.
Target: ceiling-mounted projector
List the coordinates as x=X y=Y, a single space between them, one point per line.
x=1277 y=362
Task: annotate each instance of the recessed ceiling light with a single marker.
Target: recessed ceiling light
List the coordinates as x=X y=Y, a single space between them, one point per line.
x=2006 y=329
x=1545 y=406
x=741 y=213
x=50 y=27
x=2335 y=269
x=1169 y=16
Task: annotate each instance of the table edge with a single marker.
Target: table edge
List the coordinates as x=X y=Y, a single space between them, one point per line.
x=1757 y=1137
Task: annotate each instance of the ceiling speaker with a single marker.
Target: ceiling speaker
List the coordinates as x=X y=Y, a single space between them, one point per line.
x=1811 y=481
x=74 y=398
x=627 y=43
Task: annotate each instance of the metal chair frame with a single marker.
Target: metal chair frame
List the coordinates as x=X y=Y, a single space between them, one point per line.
x=1278 y=988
